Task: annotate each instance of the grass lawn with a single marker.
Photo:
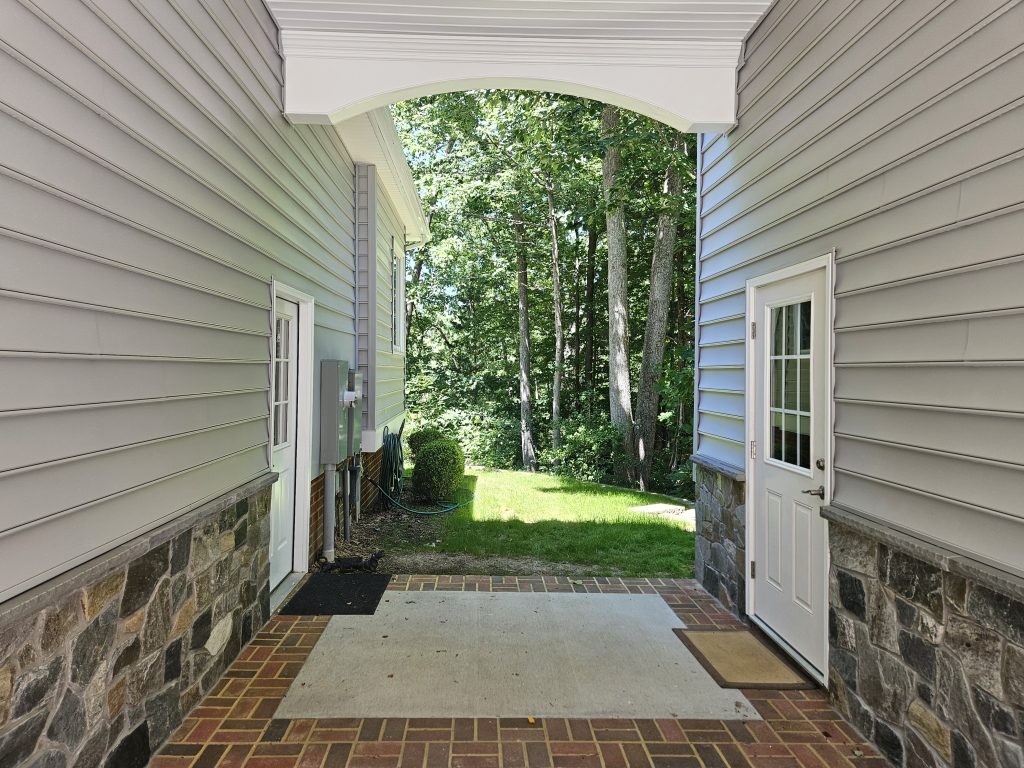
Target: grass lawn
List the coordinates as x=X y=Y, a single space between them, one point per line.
x=520 y=514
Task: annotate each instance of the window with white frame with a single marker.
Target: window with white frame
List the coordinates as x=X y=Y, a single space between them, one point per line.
x=394 y=297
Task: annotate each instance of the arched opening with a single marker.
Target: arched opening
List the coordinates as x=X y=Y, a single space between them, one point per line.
x=509 y=331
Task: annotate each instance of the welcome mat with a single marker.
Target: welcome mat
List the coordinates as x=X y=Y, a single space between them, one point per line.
x=338 y=594
x=738 y=659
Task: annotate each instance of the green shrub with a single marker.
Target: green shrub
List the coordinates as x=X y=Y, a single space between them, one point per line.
x=440 y=466
x=489 y=440
x=422 y=436
x=590 y=447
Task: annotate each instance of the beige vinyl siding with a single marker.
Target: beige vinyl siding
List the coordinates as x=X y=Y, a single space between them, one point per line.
x=390 y=369
x=151 y=191
x=892 y=133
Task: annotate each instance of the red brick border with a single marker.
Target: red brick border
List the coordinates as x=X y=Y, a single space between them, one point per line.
x=316 y=517
x=235 y=726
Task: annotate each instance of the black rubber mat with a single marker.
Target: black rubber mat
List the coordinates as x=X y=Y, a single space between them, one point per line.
x=332 y=594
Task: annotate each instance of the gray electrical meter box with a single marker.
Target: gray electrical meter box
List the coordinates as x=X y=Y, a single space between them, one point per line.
x=355 y=414
x=334 y=412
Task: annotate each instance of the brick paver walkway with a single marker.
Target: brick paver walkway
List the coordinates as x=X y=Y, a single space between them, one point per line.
x=235 y=727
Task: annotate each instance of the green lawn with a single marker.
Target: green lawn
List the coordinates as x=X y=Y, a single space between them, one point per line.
x=519 y=514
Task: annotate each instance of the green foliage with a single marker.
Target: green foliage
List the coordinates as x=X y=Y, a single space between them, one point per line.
x=422 y=436
x=479 y=159
x=489 y=439
x=439 y=469
x=591 y=445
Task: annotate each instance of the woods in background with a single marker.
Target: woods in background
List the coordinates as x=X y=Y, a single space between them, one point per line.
x=550 y=316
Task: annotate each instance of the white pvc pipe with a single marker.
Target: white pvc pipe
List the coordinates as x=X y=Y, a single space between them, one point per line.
x=330 y=511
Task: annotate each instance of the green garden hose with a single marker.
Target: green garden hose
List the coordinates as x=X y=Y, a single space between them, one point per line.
x=392 y=466
x=392 y=476
x=393 y=502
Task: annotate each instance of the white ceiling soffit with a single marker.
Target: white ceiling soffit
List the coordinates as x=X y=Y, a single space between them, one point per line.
x=674 y=60
x=371 y=138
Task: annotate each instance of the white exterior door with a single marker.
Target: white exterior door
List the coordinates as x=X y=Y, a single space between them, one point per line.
x=790 y=415
x=282 y=508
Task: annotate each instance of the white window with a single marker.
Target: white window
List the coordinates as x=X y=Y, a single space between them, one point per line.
x=394 y=297
x=790 y=402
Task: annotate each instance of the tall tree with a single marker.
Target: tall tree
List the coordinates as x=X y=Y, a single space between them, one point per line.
x=513 y=181
x=620 y=395
x=588 y=300
x=657 y=320
x=559 y=331
x=529 y=451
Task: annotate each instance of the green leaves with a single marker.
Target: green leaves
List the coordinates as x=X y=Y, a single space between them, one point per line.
x=483 y=162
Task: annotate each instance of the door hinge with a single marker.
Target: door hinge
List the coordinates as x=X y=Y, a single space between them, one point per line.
x=753 y=449
x=753 y=330
x=753 y=569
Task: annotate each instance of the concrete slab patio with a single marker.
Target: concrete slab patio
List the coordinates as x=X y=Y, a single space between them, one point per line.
x=241 y=723
x=477 y=654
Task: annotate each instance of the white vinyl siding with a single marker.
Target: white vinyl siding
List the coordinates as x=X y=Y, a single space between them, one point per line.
x=382 y=361
x=390 y=403
x=144 y=217
x=892 y=133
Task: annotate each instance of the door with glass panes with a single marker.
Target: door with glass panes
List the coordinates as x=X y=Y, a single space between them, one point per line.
x=282 y=506
x=790 y=457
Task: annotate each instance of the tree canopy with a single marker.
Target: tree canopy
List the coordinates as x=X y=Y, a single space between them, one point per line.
x=512 y=188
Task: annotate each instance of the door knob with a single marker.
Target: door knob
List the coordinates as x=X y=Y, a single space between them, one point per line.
x=819 y=492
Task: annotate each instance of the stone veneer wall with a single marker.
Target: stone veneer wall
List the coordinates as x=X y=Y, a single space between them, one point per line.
x=720 y=558
x=926 y=655
x=100 y=665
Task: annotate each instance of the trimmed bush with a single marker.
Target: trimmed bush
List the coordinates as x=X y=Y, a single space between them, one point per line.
x=421 y=437
x=440 y=466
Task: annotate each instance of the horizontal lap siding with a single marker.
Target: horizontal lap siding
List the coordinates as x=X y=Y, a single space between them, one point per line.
x=152 y=191
x=390 y=383
x=892 y=133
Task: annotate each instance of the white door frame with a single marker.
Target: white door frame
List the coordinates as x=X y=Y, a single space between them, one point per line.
x=826 y=262
x=304 y=420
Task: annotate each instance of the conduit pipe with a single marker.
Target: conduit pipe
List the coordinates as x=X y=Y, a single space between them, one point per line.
x=330 y=510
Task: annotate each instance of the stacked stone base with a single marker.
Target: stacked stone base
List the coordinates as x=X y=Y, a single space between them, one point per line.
x=721 y=527
x=927 y=652
x=99 y=666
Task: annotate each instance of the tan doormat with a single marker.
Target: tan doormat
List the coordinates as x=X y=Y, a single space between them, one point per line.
x=738 y=659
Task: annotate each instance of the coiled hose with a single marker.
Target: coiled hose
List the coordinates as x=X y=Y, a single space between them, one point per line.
x=392 y=476
x=392 y=466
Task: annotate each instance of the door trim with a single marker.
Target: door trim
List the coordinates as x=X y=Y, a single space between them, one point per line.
x=825 y=261
x=303 y=420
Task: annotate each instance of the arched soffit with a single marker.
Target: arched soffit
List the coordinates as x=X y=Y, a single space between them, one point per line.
x=331 y=77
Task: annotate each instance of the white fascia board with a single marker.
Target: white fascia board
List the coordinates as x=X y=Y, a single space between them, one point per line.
x=373 y=439
x=332 y=76
x=373 y=139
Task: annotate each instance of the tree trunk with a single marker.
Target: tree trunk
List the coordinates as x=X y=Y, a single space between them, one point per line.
x=410 y=304
x=657 y=323
x=577 y=335
x=682 y=313
x=588 y=300
x=556 y=301
x=529 y=452
x=619 y=387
